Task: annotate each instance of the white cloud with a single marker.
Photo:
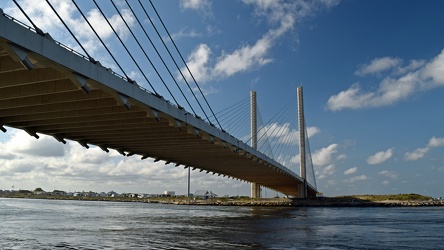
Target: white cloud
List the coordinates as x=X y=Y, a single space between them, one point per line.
x=413 y=65
x=390 y=174
x=378 y=65
x=207 y=90
x=421 y=152
x=184 y=32
x=341 y=157
x=312 y=131
x=44 y=146
x=203 y=5
x=380 y=157
x=324 y=156
x=6 y=155
x=357 y=178
x=433 y=72
x=324 y=171
x=436 y=142
x=351 y=171
x=100 y=25
x=243 y=59
x=416 y=155
x=295 y=159
x=323 y=161
x=197 y=63
x=421 y=77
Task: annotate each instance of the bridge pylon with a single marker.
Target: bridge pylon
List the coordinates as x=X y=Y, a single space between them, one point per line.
x=255 y=187
x=302 y=188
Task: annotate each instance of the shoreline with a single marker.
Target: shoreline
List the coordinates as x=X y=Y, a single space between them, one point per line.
x=261 y=202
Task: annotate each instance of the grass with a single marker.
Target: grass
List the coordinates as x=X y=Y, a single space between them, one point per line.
x=391 y=197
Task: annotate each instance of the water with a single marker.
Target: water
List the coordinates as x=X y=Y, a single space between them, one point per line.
x=56 y=224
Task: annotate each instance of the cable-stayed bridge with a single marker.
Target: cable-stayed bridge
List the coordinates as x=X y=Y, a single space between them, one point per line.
x=48 y=88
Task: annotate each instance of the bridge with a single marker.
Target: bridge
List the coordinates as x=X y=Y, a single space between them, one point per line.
x=48 y=88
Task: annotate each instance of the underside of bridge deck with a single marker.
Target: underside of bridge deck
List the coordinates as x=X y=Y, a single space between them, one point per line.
x=51 y=99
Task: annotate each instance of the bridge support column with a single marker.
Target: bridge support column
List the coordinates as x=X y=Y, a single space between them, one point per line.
x=255 y=190
x=302 y=188
x=255 y=187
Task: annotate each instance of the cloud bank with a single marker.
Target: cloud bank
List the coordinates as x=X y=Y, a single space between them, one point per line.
x=29 y=163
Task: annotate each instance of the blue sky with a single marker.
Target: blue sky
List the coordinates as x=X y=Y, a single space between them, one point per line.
x=373 y=77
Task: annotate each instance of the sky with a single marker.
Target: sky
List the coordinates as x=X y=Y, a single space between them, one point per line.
x=372 y=73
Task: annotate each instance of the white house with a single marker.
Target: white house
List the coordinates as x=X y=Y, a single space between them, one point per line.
x=204 y=194
x=169 y=193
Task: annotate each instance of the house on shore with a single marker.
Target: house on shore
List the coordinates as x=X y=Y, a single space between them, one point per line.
x=204 y=194
x=58 y=192
x=113 y=194
x=169 y=193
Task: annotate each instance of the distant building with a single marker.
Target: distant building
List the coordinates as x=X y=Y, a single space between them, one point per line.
x=132 y=195
x=204 y=194
x=39 y=192
x=58 y=192
x=27 y=192
x=169 y=193
x=91 y=194
x=113 y=194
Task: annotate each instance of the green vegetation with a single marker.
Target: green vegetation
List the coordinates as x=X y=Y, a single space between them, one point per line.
x=390 y=197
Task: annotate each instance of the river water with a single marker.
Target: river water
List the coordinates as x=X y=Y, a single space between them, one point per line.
x=58 y=224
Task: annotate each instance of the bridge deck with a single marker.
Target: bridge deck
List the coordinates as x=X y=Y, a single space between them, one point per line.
x=67 y=97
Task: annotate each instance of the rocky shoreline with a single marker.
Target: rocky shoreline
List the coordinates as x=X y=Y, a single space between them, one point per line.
x=262 y=202
x=306 y=203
